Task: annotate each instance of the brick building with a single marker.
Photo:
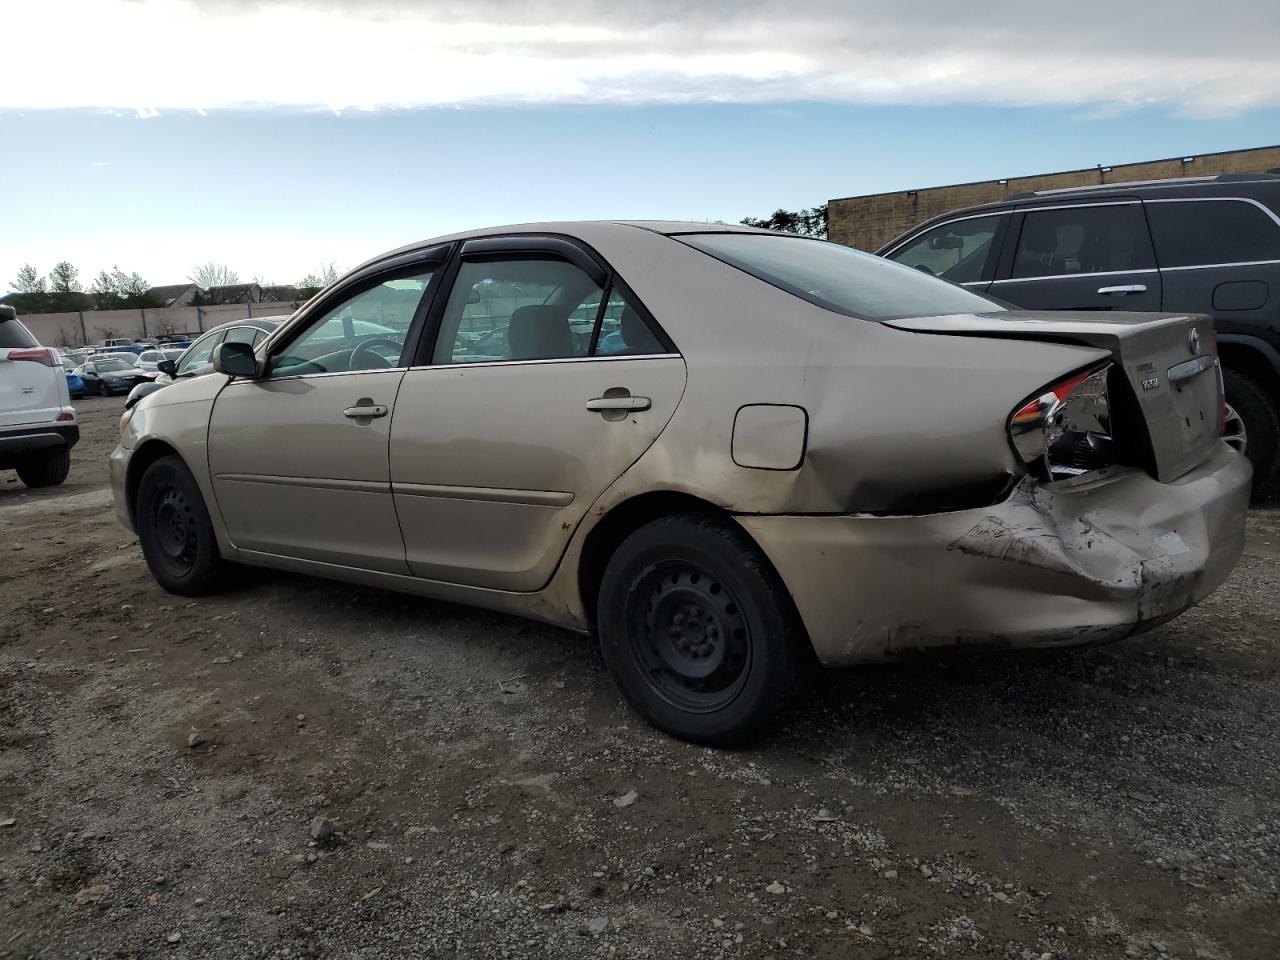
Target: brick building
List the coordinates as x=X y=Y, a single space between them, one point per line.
x=871 y=221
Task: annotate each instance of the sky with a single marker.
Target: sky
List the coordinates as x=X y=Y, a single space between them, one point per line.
x=155 y=135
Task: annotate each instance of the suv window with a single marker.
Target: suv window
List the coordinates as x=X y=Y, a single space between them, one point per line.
x=364 y=332
x=840 y=278
x=200 y=354
x=1191 y=233
x=526 y=309
x=1082 y=240
x=962 y=251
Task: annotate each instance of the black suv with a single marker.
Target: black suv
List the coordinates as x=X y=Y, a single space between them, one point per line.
x=1200 y=245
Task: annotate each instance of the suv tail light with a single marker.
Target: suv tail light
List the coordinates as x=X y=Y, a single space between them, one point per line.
x=46 y=355
x=1067 y=427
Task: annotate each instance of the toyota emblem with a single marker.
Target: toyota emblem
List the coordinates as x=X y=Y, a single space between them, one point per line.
x=1193 y=341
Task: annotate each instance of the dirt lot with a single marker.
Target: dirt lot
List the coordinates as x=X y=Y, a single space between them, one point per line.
x=475 y=771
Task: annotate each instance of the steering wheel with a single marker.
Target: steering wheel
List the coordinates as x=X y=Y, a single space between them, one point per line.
x=366 y=345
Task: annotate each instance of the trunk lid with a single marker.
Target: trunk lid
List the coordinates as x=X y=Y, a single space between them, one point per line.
x=1168 y=360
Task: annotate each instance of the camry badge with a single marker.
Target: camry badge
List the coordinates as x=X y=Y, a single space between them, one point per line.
x=1193 y=341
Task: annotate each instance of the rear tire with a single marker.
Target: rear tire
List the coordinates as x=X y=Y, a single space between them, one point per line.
x=1261 y=419
x=47 y=470
x=698 y=632
x=175 y=531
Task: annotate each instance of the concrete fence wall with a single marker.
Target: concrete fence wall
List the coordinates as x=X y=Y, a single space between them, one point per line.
x=90 y=326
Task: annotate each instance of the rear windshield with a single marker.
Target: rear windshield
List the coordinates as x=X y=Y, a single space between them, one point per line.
x=840 y=278
x=13 y=335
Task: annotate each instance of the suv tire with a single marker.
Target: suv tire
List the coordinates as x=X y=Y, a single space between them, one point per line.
x=47 y=470
x=697 y=630
x=1261 y=424
x=175 y=531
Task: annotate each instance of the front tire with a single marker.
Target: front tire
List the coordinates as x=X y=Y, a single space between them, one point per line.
x=176 y=532
x=1261 y=421
x=697 y=631
x=47 y=470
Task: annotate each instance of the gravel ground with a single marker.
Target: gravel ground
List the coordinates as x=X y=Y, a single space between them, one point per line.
x=306 y=769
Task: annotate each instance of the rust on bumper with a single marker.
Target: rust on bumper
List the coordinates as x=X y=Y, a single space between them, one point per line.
x=1079 y=561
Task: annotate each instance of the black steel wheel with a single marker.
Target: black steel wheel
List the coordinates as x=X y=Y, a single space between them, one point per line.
x=175 y=530
x=697 y=630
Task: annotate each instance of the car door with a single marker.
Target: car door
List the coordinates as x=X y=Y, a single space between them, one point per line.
x=299 y=455
x=516 y=419
x=963 y=250
x=1085 y=256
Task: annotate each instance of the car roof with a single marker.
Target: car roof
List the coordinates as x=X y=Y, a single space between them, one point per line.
x=573 y=228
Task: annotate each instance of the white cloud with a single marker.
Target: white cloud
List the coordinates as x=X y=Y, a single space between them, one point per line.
x=206 y=54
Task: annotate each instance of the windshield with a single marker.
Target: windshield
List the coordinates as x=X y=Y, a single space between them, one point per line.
x=840 y=278
x=110 y=366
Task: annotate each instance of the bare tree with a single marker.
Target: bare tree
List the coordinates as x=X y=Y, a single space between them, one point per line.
x=314 y=282
x=213 y=274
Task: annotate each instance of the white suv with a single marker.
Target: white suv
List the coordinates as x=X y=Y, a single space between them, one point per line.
x=37 y=422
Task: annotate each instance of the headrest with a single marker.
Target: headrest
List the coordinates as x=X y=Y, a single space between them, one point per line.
x=539 y=332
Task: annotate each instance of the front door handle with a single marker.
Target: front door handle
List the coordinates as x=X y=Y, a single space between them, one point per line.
x=365 y=409
x=623 y=404
x=1121 y=290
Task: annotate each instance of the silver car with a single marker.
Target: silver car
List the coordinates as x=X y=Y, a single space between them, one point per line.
x=727 y=453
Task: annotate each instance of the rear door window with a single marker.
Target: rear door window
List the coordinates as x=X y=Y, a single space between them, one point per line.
x=963 y=251
x=14 y=336
x=1189 y=233
x=1068 y=241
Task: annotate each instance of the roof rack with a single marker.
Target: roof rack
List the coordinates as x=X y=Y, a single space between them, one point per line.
x=1162 y=182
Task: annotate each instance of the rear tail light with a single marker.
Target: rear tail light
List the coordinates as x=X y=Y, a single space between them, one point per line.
x=1067 y=426
x=46 y=355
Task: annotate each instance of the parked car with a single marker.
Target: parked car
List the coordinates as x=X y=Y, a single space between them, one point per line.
x=118 y=345
x=802 y=452
x=1199 y=244
x=148 y=360
x=38 y=425
x=75 y=383
x=108 y=376
x=197 y=360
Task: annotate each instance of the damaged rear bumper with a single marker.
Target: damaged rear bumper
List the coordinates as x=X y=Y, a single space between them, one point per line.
x=1080 y=561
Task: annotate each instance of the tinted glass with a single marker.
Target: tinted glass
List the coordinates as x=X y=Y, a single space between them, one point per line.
x=14 y=336
x=623 y=331
x=518 y=310
x=248 y=335
x=961 y=252
x=840 y=278
x=112 y=366
x=1082 y=240
x=365 y=332
x=200 y=354
x=1193 y=232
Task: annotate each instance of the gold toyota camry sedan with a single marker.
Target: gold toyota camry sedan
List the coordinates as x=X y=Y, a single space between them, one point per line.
x=727 y=453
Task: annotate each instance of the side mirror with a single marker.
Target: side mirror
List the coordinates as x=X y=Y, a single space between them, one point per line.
x=236 y=360
x=167 y=367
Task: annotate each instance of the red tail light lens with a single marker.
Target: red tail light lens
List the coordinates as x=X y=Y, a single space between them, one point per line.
x=1075 y=404
x=45 y=355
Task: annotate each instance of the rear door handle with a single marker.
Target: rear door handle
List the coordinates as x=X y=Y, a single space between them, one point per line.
x=1121 y=290
x=365 y=410
x=625 y=404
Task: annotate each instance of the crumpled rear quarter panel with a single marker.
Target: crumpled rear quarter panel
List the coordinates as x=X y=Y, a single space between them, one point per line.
x=1074 y=562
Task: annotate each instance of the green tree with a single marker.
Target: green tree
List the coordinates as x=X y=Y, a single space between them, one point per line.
x=64 y=278
x=29 y=280
x=313 y=283
x=811 y=222
x=118 y=290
